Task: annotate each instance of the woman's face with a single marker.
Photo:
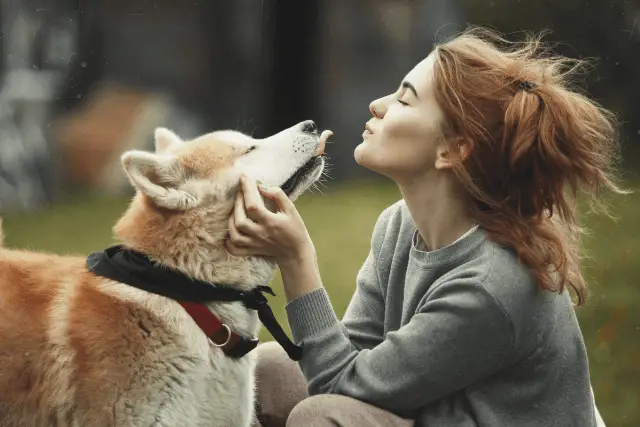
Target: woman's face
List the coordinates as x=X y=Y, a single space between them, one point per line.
x=401 y=141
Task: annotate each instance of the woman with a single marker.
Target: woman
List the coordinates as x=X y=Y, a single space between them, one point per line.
x=460 y=315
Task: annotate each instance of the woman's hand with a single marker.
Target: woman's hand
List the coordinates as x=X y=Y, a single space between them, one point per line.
x=255 y=230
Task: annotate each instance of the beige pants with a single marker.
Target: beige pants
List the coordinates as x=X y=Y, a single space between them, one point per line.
x=283 y=400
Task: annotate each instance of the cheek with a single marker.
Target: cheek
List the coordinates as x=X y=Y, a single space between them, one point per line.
x=410 y=132
x=398 y=125
x=272 y=168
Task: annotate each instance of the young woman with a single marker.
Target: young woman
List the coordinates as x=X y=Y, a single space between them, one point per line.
x=461 y=314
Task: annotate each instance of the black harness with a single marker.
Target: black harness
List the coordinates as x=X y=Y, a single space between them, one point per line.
x=136 y=269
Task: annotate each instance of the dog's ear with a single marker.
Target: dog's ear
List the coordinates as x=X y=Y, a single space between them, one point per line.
x=165 y=140
x=158 y=177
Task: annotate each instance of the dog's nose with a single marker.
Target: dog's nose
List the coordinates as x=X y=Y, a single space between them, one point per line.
x=309 y=126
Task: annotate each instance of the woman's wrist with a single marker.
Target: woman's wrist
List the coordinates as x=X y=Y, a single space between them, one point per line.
x=305 y=252
x=300 y=273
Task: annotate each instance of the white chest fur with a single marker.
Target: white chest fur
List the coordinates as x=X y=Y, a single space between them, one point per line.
x=186 y=377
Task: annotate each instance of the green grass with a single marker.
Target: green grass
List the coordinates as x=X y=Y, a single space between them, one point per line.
x=340 y=223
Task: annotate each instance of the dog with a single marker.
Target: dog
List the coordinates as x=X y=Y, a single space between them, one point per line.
x=82 y=349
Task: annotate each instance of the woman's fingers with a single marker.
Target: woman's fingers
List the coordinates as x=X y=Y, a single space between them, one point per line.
x=237 y=250
x=253 y=203
x=237 y=236
x=240 y=218
x=282 y=201
x=240 y=227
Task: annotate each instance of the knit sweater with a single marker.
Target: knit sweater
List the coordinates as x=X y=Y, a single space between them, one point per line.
x=458 y=336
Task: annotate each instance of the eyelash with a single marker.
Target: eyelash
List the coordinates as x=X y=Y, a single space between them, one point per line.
x=402 y=102
x=253 y=147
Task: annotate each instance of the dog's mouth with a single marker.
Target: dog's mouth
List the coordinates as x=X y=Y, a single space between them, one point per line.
x=301 y=174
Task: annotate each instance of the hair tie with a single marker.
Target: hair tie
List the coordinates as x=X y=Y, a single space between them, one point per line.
x=526 y=86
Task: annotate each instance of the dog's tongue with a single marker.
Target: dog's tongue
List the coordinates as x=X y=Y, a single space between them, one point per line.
x=322 y=142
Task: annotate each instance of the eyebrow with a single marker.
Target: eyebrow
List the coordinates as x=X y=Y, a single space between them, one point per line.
x=411 y=87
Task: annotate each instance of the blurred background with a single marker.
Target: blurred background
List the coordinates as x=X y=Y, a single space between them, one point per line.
x=83 y=81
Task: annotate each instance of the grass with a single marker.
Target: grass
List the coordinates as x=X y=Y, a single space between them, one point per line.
x=340 y=223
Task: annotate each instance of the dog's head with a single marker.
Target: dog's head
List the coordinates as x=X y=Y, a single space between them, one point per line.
x=186 y=189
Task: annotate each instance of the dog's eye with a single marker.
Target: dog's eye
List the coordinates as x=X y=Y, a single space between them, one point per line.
x=253 y=147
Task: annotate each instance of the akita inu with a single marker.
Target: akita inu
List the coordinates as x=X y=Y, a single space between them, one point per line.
x=121 y=338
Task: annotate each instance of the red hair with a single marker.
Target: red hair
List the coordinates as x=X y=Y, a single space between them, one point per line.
x=535 y=144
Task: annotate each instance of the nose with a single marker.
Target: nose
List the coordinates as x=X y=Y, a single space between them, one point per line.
x=309 y=126
x=377 y=108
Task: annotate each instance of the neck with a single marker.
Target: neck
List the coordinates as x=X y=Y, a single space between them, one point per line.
x=437 y=208
x=191 y=242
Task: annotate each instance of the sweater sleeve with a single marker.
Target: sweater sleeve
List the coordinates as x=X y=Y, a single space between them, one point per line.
x=458 y=336
x=363 y=320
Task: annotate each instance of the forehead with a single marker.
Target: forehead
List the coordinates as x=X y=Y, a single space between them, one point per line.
x=421 y=75
x=212 y=152
x=230 y=137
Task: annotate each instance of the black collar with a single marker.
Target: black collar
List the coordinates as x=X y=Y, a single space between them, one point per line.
x=136 y=269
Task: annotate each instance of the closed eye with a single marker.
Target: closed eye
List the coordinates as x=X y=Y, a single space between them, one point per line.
x=402 y=102
x=253 y=147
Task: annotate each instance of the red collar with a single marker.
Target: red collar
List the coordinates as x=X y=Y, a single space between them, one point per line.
x=219 y=333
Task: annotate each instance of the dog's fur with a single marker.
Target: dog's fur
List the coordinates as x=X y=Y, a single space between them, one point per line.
x=81 y=350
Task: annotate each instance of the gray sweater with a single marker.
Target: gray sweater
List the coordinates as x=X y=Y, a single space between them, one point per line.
x=459 y=336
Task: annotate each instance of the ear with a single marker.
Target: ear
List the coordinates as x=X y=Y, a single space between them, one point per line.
x=165 y=140
x=159 y=178
x=450 y=153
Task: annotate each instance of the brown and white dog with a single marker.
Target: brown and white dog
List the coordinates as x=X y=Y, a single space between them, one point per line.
x=77 y=349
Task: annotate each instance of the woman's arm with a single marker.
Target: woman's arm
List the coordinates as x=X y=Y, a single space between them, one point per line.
x=459 y=336
x=363 y=322
x=300 y=274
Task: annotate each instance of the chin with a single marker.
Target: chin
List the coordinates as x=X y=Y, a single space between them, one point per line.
x=362 y=154
x=357 y=155
x=364 y=158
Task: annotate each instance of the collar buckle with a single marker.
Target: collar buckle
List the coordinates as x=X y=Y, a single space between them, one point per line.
x=229 y=333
